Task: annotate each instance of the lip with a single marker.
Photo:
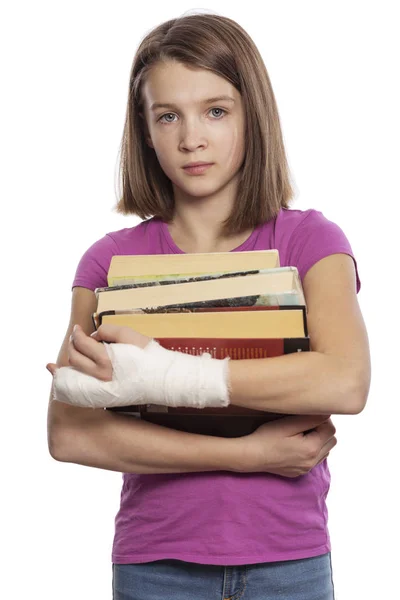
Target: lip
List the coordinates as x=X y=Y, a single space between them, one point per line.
x=197 y=168
x=196 y=164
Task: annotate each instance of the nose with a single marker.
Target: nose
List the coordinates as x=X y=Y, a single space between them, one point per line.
x=192 y=135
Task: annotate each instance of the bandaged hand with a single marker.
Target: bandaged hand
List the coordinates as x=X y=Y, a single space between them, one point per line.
x=149 y=375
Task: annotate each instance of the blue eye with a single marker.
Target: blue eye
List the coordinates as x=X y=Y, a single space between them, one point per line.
x=168 y=114
x=220 y=109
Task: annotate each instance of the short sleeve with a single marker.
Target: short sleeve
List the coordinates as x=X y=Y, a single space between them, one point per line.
x=315 y=238
x=92 y=268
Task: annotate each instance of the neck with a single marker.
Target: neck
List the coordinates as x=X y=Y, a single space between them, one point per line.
x=197 y=222
x=200 y=231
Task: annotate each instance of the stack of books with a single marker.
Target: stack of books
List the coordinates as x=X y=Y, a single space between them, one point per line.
x=237 y=304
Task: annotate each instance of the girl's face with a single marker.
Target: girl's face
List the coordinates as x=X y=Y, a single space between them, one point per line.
x=192 y=129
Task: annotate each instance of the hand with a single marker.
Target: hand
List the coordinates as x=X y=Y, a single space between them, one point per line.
x=283 y=448
x=88 y=354
x=136 y=373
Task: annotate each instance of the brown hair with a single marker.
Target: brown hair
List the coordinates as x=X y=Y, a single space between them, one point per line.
x=219 y=44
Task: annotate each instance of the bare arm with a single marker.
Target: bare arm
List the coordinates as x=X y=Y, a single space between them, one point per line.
x=334 y=377
x=130 y=445
x=107 y=440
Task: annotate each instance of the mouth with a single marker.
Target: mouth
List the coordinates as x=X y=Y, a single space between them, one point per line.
x=198 y=169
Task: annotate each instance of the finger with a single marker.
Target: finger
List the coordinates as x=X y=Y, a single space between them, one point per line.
x=330 y=444
x=323 y=432
x=326 y=429
x=295 y=424
x=121 y=335
x=51 y=367
x=113 y=333
x=323 y=458
x=87 y=346
x=325 y=450
x=83 y=363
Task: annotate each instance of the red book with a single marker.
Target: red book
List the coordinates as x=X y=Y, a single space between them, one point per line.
x=212 y=420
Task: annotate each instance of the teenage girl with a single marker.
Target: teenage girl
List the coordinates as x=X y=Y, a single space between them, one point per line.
x=205 y=517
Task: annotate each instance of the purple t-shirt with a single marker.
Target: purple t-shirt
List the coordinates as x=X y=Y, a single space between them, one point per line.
x=222 y=517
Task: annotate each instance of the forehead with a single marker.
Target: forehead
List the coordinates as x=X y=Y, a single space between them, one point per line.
x=175 y=83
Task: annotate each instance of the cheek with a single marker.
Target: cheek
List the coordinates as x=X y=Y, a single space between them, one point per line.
x=162 y=147
x=234 y=148
x=165 y=157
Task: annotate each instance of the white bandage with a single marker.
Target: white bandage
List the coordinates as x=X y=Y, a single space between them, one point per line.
x=150 y=375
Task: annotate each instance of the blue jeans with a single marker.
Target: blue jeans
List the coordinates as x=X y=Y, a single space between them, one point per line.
x=170 y=579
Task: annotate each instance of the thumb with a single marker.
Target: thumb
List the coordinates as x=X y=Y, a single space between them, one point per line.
x=52 y=368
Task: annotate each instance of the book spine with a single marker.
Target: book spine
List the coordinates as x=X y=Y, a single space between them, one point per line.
x=123 y=269
x=173 y=279
x=209 y=306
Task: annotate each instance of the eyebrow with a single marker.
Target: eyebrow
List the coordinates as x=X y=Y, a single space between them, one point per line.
x=156 y=105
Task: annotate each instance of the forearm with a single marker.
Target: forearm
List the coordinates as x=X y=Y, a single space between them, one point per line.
x=301 y=383
x=129 y=445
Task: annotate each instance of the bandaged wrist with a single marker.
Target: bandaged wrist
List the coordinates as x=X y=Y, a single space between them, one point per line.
x=150 y=375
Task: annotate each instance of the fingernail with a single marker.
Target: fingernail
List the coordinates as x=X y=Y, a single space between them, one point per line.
x=75 y=328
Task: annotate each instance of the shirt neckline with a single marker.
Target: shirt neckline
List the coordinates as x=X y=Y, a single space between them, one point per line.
x=243 y=246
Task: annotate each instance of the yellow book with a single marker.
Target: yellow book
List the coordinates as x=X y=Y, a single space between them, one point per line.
x=133 y=268
x=225 y=324
x=273 y=286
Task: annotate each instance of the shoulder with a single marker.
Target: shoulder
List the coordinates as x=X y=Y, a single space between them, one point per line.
x=93 y=266
x=307 y=236
x=134 y=240
x=291 y=222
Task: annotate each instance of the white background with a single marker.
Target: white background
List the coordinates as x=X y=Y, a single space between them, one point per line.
x=65 y=71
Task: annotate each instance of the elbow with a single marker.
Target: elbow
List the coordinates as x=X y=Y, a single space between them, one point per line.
x=55 y=446
x=359 y=390
x=56 y=454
